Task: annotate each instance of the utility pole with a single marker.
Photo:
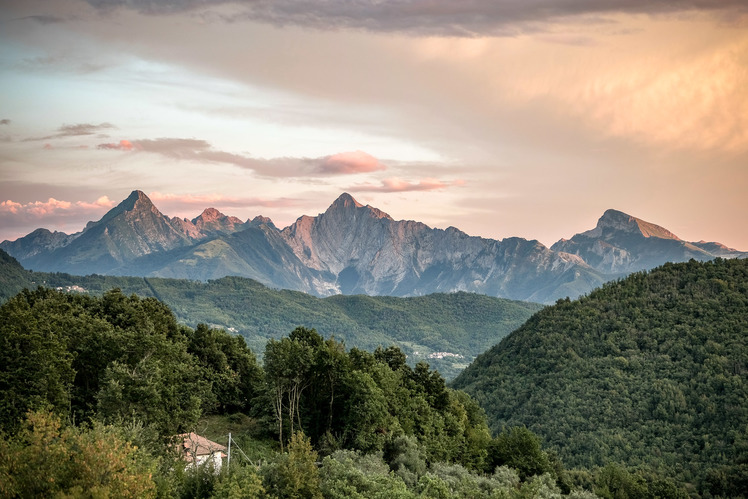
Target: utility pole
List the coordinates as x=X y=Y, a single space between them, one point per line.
x=228 y=461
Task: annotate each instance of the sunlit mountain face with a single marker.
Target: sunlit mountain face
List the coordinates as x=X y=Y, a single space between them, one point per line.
x=354 y=248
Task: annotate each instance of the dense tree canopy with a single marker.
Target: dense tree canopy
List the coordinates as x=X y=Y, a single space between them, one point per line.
x=462 y=324
x=641 y=386
x=116 y=358
x=651 y=371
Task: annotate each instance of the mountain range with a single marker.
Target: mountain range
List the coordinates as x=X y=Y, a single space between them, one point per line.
x=355 y=249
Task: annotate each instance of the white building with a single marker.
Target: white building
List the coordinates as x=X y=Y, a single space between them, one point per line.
x=197 y=450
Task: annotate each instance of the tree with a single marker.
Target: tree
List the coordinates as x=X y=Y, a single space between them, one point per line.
x=324 y=400
x=294 y=475
x=350 y=475
x=518 y=448
x=287 y=366
x=229 y=365
x=165 y=395
x=35 y=364
x=46 y=459
x=241 y=482
x=615 y=482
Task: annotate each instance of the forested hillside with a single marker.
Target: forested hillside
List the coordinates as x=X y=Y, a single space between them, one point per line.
x=461 y=324
x=651 y=371
x=95 y=390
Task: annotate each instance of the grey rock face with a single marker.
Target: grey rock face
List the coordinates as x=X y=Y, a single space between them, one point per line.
x=370 y=253
x=354 y=249
x=621 y=244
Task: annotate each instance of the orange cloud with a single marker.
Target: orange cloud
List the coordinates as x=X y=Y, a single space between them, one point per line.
x=350 y=163
x=102 y=202
x=399 y=185
x=36 y=208
x=39 y=209
x=19 y=219
x=123 y=145
x=345 y=163
x=10 y=207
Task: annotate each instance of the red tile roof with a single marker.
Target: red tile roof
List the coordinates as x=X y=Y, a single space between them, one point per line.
x=194 y=445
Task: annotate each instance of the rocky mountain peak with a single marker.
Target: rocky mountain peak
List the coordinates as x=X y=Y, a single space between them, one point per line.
x=618 y=221
x=208 y=215
x=346 y=203
x=355 y=248
x=261 y=220
x=621 y=243
x=212 y=220
x=136 y=202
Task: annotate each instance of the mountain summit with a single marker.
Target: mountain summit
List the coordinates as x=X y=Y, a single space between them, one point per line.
x=353 y=248
x=614 y=221
x=136 y=202
x=132 y=229
x=213 y=221
x=347 y=204
x=621 y=244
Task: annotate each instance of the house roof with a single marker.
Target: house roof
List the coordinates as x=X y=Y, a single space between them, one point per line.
x=194 y=445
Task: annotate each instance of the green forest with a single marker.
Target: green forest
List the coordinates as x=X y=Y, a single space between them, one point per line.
x=650 y=372
x=463 y=324
x=96 y=388
x=637 y=390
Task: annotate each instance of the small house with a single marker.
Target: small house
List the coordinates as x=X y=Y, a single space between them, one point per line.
x=197 y=450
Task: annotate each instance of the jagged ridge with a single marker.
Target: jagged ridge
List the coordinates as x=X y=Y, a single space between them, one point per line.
x=352 y=248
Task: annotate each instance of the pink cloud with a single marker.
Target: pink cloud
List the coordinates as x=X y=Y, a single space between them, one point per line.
x=18 y=219
x=399 y=185
x=36 y=208
x=123 y=145
x=10 y=207
x=186 y=204
x=350 y=163
x=345 y=163
x=52 y=207
x=102 y=202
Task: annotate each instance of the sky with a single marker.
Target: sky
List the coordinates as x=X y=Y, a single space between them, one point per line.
x=506 y=118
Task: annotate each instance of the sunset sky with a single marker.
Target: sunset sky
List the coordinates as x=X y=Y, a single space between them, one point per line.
x=503 y=118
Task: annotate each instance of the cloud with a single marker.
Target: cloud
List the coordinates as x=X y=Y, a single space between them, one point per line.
x=345 y=163
x=23 y=217
x=190 y=205
x=201 y=151
x=122 y=145
x=76 y=64
x=399 y=185
x=102 y=202
x=40 y=209
x=77 y=130
x=434 y=17
x=214 y=200
x=349 y=163
x=689 y=94
x=42 y=19
x=82 y=129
